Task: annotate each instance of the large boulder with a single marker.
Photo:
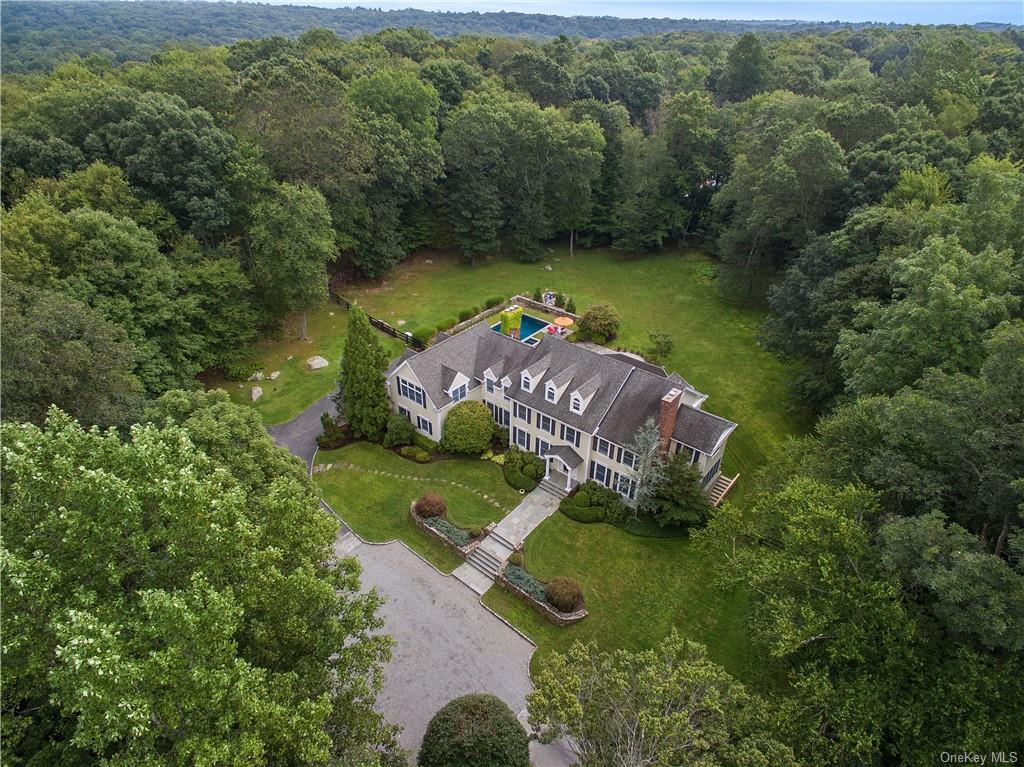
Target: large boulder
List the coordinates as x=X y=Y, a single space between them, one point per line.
x=256 y=393
x=316 y=363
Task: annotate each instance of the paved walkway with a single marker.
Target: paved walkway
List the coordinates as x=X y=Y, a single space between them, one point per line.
x=478 y=571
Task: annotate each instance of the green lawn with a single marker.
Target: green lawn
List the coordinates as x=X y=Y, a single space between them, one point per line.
x=635 y=588
x=377 y=506
x=297 y=387
x=715 y=341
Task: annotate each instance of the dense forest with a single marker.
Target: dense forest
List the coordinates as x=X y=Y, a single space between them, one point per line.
x=161 y=216
x=37 y=34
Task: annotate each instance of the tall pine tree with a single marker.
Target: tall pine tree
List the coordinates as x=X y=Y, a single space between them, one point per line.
x=362 y=396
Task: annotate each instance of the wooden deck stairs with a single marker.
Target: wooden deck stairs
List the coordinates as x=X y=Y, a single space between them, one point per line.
x=720 y=488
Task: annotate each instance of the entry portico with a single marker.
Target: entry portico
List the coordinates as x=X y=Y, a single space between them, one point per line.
x=564 y=457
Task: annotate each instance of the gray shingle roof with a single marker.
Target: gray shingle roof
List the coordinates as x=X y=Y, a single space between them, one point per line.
x=567 y=454
x=625 y=395
x=699 y=429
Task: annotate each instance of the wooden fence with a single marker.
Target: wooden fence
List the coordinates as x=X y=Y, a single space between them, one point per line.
x=401 y=335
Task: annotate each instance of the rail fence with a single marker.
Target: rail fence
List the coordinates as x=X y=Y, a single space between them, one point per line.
x=401 y=335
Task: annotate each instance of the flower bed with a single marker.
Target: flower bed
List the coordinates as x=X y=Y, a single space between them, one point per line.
x=459 y=540
x=518 y=582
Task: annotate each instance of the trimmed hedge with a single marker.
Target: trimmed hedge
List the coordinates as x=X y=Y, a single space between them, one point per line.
x=465 y=314
x=564 y=594
x=430 y=505
x=493 y=301
x=593 y=502
x=414 y=453
x=423 y=335
x=522 y=470
x=517 y=576
x=425 y=443
x=456 y=535
x=478 y=730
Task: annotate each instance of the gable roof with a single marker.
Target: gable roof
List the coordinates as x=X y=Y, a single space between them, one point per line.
x=624 y=393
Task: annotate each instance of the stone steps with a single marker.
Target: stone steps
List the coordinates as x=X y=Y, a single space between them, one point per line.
x=484 y=561
x=555 y=490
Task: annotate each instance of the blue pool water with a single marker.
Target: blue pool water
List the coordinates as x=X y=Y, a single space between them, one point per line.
x=527 y=327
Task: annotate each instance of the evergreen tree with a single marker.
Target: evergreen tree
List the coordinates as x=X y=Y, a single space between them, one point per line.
x=362 y=396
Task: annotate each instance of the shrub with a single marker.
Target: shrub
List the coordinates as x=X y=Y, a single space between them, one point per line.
x=465 y=314
x=593 y=502
x=517 y=576
x=456 y=535
x=468 y=428
x=448 y=323
x=475 y=531
x=570 y=306
x=498 y=458
x=515 y=559
x=560 y=300
x=240 y=371
x=478 y=730
x=430 y=505
x=425 y=443
x=600 y=323
x=522 y=470
x=564 y=594
x=537 y=295
x=399 y=431
x=493 y=301
x=414 y=453
x=423 y=335
x=660 y=347
x=334 y=434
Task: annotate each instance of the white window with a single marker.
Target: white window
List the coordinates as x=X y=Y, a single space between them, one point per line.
x=460 y=394
x=546 y=424
x=632 y=460
x=404 y=411
x=412 y=392
x=604 y=447
x=490 y=385
x=549 y=392
x=576 y=403
x=521 y=438
x=624 y=486
x=424 y=424
x=600 y=473
x=543 y=448
x=522 y=412
x=525 y=381
x=570 y=434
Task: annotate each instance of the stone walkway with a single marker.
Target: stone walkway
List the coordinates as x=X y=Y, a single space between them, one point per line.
x=479 y=570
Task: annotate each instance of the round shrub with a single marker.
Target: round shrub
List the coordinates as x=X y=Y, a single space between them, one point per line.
x=465 y=314
x=600 y=323
x=516 y=559
x=478 y=730
x=474 y=531
x=468 y=428
x=565 y=594
x=493 y=301
x=585 y=514
x=421 y=456
x=399 y=431
x=430 y=505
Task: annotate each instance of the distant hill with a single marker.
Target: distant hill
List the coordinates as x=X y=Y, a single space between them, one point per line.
x=36 y=35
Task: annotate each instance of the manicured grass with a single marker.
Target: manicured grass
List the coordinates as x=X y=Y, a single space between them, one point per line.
x=297 y=387
x=715 y=341
x=377 y=506
x=635 y=589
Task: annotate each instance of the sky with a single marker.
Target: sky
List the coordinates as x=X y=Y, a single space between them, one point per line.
x=898 y=11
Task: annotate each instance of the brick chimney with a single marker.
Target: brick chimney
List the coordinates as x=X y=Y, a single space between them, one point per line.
x=667 y=413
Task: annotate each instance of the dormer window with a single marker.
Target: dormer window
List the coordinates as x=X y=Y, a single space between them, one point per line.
x=550 y=394
x=460 y=393
x=576 y=403
x=525 y=382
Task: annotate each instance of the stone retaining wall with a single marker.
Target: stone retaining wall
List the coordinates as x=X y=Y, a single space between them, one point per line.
x=540 y=306
x=462 y=552
x=554 y=615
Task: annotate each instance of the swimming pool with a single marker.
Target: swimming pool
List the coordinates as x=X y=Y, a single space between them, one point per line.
x=528 y=326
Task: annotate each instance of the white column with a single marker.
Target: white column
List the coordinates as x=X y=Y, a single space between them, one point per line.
x=568 y=476
x=547 y=467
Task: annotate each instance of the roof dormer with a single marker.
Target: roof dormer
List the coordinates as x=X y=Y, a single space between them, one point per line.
x=581 y=396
